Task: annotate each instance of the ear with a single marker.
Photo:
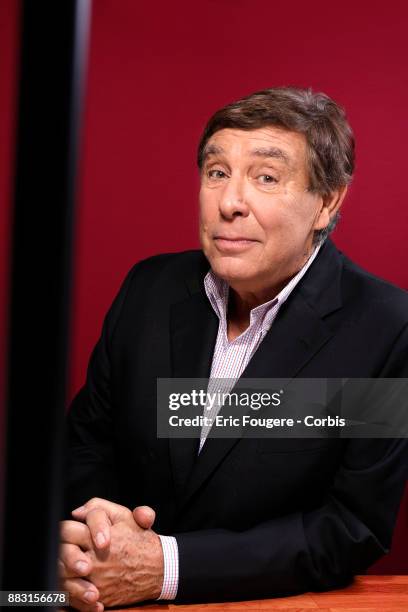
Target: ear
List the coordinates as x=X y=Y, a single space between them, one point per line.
x=330 y=205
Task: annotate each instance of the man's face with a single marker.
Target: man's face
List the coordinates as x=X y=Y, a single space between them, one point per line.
x=257 y=218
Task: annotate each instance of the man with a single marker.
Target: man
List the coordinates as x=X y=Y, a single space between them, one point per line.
x=269 y=296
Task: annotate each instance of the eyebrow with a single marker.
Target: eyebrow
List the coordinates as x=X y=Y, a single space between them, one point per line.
x=212 y=149
x=273 y=152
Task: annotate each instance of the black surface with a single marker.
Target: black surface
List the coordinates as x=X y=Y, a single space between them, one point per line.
x=52 y=53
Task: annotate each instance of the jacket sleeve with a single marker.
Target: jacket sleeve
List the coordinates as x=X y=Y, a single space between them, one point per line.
x=320 y=549
x=316 y=550
x=89 y=454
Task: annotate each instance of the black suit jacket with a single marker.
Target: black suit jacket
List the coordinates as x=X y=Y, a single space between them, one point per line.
x=253 y=518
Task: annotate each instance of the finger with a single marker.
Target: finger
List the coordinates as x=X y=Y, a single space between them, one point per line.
x=83 y=591
x=144 y=516
x=114 y=511
x=73 y=562
x=73 y=532
x=78 y=604
x=99 y=525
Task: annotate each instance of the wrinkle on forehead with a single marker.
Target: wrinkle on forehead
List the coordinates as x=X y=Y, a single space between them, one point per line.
x=275 y=142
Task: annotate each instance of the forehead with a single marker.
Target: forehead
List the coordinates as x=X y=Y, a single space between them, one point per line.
x=267 y=142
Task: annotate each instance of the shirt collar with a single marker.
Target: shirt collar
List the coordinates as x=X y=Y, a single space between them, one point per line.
x=217 y=290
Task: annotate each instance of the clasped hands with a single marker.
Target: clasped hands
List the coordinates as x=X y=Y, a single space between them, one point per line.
x=110 y=556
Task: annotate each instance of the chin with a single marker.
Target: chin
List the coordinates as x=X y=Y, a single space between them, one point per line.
x=230 y=269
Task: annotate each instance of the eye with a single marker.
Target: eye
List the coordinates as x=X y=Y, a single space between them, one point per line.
x=267 y=179
x=216 y=174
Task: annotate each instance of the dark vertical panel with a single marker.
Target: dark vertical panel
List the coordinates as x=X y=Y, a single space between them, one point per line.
x=9 y=51
x=53 y=48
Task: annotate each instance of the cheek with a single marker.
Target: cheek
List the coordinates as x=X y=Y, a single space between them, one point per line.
x=208 y=208
x=288 y=218
x=274 y=219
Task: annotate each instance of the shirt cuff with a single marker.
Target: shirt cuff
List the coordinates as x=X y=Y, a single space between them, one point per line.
x=171 y=567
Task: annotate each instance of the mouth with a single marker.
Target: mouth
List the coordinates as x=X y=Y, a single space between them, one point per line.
x=233 y=243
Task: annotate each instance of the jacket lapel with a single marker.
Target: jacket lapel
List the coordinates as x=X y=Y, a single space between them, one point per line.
x=297 y=334
x=193 y=332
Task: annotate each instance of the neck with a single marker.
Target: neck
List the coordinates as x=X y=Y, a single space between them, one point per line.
x=240 y=306
x=243 y=300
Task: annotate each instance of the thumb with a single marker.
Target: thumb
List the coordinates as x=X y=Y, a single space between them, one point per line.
x=144 y=516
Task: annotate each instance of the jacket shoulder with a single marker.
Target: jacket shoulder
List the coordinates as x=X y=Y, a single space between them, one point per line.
x=176 y=265
x=168 y=275
x=375 y=293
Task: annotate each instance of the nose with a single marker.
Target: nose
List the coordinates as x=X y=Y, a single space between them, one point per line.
x=232 y=202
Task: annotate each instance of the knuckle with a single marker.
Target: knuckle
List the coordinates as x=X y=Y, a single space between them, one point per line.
x=64 y=571
x=66 y=529
x=78 y=604
x=97 y=520
x=93 y=512
x=77 y=587
x=96 y=516
x=64 y=586
x=70 y=562
x=61 y=569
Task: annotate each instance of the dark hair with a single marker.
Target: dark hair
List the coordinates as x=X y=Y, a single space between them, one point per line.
x=329 y=137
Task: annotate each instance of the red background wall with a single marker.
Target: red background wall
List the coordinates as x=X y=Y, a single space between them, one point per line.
x=156 y=73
